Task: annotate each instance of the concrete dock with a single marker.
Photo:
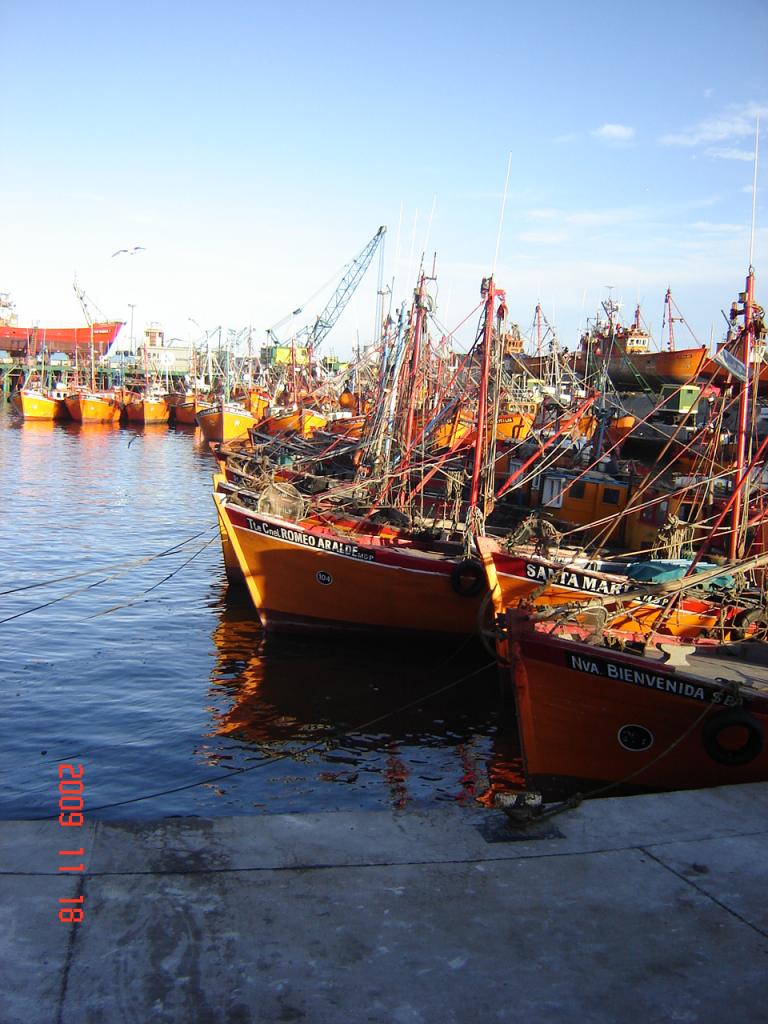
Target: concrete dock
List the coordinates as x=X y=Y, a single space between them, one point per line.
x=647 y=909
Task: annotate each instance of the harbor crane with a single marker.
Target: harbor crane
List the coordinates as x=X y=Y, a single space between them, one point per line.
x=312 y=335
x=86 y=303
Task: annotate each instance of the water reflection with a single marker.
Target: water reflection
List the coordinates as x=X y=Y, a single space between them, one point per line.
x=155 y=675
x=353 y=715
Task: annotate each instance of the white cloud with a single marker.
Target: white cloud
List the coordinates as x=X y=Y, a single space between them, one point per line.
x=544 y=214
x=733 y=123
x=585 y=218
x=614 y=132
x=731 y=153
x=708 y=93
x=600 y=218
x=560 y=140
x=706 y=225
x=543 y=237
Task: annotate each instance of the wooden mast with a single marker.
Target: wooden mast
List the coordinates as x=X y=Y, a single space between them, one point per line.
x=489 y=289
x=748 y=298
x=93 y=363
x=418 y=327
x=670 y=319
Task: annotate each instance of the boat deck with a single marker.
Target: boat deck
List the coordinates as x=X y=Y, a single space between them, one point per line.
x=745 y=663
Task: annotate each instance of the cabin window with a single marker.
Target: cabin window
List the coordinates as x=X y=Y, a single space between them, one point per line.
x=611 y=496
x=552 y=495
x=576 y=490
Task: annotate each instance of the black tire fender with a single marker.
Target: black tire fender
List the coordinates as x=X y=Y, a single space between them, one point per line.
x=744 y=620
x=468 y=577
x=733 y=756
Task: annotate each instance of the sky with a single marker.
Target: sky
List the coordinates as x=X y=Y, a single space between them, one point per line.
x=253 y=149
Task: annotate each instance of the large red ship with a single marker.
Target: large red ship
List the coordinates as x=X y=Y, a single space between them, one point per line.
x=23 y=342
x=625 y=354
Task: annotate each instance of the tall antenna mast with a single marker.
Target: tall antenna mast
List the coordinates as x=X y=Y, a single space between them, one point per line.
x=501 y=218
x=754 y=195
x=736 y=541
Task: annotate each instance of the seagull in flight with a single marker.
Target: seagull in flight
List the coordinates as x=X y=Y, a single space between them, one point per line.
x=130 y=252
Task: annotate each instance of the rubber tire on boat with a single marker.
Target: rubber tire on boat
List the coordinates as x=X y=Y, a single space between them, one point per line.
x=745 y=619
x=742 y=755
x=468 y=577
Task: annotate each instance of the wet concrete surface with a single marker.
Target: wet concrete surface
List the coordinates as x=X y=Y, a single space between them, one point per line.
x=651 y=908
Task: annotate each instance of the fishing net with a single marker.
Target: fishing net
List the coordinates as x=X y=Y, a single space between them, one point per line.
x=282 y=500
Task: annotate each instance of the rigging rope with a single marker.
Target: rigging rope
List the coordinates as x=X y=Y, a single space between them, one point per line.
x=117 y=565
x=334 y=739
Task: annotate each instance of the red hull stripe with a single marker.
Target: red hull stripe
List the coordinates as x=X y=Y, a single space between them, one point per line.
x=331 y=543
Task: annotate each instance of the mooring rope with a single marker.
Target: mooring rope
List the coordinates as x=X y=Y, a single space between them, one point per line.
x=328 y=743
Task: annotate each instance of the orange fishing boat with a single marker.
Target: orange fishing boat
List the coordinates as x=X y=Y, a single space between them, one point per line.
x=625 y=354
x=33 y=404
x=634 y=369
x=345 y=424
x=94 y=406
x=231 y=565
x=633 y=610
x=515 y=426
x=720 y=375
x=620 y=427
x=330 y=572
x=295 y=421
x=327 y=569
x=187 y=410
x=22 y=342
x=460 y=429
x=174 y=398
x=147 y=408
x=257 y=402
x=591 y=718
x=225 y=421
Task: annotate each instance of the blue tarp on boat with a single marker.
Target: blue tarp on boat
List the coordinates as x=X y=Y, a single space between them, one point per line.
x=665 y=570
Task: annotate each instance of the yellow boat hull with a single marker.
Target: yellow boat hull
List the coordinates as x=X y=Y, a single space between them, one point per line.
x=217 y=425
x=186 y=412
x=304 y=422
x=92 y=408
x=146 y=410
x=33 y=405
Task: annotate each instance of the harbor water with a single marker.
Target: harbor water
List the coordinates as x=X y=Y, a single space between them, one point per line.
x=124 y=649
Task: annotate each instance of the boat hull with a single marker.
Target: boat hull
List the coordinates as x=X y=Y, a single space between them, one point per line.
x=720 y=376
x=32 y=405
x=514 y=426
x=94 y=408
x=308 y=579
x=539 y=583
x=30 y=341
x=346 y=426
x=224 y=425
x=186 y=412
x=304 y=422
x=145 y=410
x=634 y=370
x=231 y=565
x=588 y=718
